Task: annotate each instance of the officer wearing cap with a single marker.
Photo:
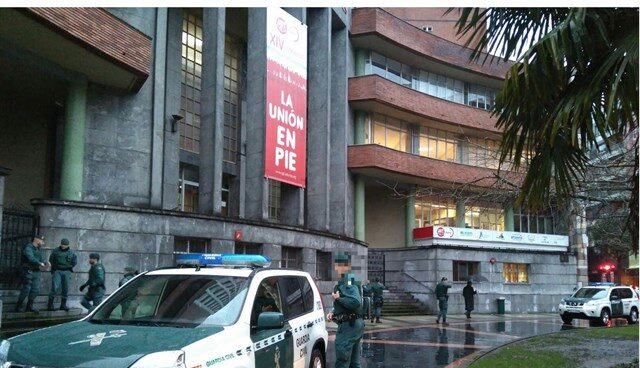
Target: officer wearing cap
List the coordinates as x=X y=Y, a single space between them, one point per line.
x=32 y=261
x=347 y=313
x=95 y=283
x=62 y=260
x=443 y=299
x=129 y=273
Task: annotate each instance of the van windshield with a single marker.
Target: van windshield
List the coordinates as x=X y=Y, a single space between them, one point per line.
x=591 y=293
x=176 y=301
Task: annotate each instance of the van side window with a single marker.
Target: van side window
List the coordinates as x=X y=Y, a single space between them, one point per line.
x=267 y=299
x=292 y=297
x=307 y=294
x=625 y=293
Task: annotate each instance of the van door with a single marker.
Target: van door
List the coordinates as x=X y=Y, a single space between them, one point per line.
x=273 y=347
x=616 y=303
x=297 y=317
x=626 y=295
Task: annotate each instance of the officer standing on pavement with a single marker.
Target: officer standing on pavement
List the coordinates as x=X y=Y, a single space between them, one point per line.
x=366 y=300
x=95 y=283
x=378 y=299
x=347 y=313
x=443 y=299
x=129 y=273
x=32 y=261
x=62 y=260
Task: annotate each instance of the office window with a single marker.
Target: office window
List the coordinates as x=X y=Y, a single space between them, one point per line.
x=526 y=222
x=515 y=273
x=191 y=245
x=388 y=132
x=291 y=258
x=323 y=265
x=232 y=96
x=188 y=185
x=191 y=80
x=225 y=194
x=438 y=144
x=482 y=152
x=434 y=212
x=477 y=217
x=275 y=190
x=463 y=270
x=247 y=248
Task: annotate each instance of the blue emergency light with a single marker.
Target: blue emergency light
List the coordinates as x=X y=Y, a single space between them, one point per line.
x=219 y=260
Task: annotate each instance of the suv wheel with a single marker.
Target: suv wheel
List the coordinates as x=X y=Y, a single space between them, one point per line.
x=316 y=359
x=633 y=316
x=604 y=317
x=566 y=319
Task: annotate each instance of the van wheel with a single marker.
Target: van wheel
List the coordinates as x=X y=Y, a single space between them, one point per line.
x=316 y=359
x=604 y=317
x=566 y=319
x=633 y=316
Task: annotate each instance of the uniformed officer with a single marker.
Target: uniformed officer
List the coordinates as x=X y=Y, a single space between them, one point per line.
x=32 y=261
x=62 y=260
x=378 y=300
x=95 y=283
x=366 y=300
x=443 y=299
x=129 y=273
x=347 y=313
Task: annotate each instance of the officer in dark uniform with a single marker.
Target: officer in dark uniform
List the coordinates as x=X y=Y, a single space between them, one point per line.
x=443 y=299
x=32 y=261
x=62 y=260
x=376 y=289
x=129 y=273
x=95 y=283
x=347 y=313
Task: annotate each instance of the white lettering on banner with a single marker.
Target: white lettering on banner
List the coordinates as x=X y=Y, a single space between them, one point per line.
x=454 y=233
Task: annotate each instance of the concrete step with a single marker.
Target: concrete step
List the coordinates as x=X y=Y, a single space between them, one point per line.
x=15 y=323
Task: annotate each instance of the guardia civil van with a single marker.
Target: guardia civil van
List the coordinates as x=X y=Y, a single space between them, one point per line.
x=222 y=311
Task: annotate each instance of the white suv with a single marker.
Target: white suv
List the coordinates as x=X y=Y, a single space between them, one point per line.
x=201 y=316
x=600 y=304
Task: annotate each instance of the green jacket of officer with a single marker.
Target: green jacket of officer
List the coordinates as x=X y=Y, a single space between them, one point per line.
x=63 y=259
x=32 y=257
x=129 y=273
x=442 y=289
x=350 y=300
x=96 y=277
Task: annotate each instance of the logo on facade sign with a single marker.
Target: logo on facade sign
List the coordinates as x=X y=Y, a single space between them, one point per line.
x=531 y=237
x=440 y=231
x=449 y=232
x=516 y=237
x=96 y=339
x=467 y=233
x=281 y=25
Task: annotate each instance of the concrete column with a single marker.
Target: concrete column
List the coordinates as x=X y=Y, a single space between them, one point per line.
x=410 y=216
x=309 y=261
x=460 y=210
x=73 y=146
x=171 y=154
x=211 y=128
x=3 y=173
x=360 y=127
x=360 y=62
x=578 y=241
x=274 y=252
x=256 y=186
x=508 y=217
x=359 y=209
x=341 y=187
x=159 y=86
x=319 y=111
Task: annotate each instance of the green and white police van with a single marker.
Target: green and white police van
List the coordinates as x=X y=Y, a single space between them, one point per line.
x=211 y=311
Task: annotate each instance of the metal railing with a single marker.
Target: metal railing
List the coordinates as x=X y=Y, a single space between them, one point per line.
x=17 y=229
x=376 y=268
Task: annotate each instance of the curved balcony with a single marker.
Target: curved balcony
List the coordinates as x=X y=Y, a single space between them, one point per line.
x=374 y=93
x=374 y=28
x=381 y=162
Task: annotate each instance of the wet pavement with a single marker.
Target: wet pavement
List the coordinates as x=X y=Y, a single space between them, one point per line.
x=417 y=341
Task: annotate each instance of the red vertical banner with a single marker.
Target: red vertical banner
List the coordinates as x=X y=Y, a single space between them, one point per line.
x=286 y=99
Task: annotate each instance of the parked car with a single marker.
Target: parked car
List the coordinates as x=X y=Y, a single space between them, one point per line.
x=600 y=304
x=231 y=314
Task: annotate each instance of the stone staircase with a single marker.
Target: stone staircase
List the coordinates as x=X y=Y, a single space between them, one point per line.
x=15 y=323
x=400 y=303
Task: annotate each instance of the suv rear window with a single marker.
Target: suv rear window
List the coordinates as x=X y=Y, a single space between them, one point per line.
x=591 y=293
x=292 y=295
x=625 y=293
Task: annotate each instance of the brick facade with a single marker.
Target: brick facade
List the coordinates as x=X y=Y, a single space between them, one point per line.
x=371 y=21
x=378 y=89
x=101 y=32
x=373 y=156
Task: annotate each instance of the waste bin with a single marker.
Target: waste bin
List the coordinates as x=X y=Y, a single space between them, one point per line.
x=500 y=305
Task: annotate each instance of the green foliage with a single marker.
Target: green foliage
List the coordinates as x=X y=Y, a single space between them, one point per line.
x=575 y=80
